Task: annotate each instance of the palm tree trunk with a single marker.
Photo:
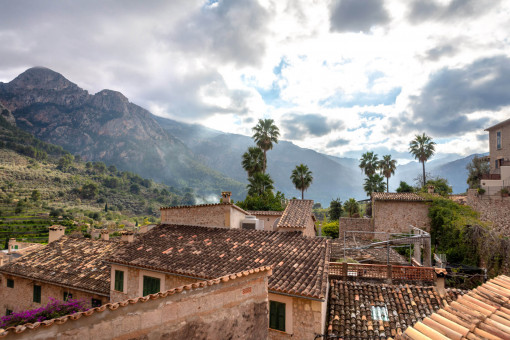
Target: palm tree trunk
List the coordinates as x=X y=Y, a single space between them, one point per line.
x=265 y=163
x=424 y=179
x=387 y=184
x=302 y=194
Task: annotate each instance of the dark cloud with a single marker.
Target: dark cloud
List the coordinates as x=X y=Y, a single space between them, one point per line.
x=357 y=15
x=298 y=127
x=445 y=50
x=231 y=31
x=456 y=9
x=451 y=94
x=337 y=142
x=483 y=138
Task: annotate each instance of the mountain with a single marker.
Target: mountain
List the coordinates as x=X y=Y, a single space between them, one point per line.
x=107 y=127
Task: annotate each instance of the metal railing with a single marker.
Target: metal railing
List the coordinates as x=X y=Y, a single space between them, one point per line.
x=381 y=272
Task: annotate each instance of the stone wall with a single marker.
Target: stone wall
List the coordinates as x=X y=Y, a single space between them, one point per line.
x=306 y=318
x=20 y=297
x=396 y=216
x=356 y=224
x=133 y=282
x=233 y=309
x=213 y=215
x=494 y=209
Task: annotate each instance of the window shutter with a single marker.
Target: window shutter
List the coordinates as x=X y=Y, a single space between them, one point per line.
x=272 y=314
x=119 y=280
x=281 y=316
x=37 y=293
x=151 y=285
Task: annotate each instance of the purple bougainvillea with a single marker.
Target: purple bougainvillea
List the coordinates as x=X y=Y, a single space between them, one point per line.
x=54 y=309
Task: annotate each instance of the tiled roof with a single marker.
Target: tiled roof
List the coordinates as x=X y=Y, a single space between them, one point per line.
x=395 y=196
x=354 y=307
x=296 y=214
x=204 y=205
x=300 y=263
x=483 y=313
x=70 y=262
x=266 y=213
x=116 y=305
x=498 y=125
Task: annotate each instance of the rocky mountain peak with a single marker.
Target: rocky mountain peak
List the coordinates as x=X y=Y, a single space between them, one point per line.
x=109 y=100
x=42 y=78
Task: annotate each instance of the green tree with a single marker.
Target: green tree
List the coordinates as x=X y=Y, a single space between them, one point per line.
x=335 y=209
x=422 y=148
x=134 y=189
x=89 y=190
x=478 y=167
x=351 y=207
x=36 y=195
x=65 y=162
x=374 y=183
x=404 y=187
x=301 y=178
x=265 y=202
x=259 y=183
x=253 y=160
x=369 y=163
x=265 y=134
x=441 y=186
x=387 y=166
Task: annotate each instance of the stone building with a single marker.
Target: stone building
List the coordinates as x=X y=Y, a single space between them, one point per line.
x=499 y=157
x=171 y=255
x=395 y=212
x=298 y=216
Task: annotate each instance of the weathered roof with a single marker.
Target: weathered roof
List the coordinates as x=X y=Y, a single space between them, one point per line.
x=498 y=125
x=300 y=263
x=483 y=313
x=354 y=308
x=296 y=214
x=266 y=213
x=113 y=306
x=70 y=262
x=205 y=205
x=395 y=196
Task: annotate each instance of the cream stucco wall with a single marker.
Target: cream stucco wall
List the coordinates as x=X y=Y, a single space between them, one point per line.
x=504 y=152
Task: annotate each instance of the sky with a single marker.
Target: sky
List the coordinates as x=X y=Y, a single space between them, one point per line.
x=341 y=77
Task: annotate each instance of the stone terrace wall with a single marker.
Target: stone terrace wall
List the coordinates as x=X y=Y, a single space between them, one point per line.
x=396 y=216
x=356 y=224
x=495 y=209
x=236 y=309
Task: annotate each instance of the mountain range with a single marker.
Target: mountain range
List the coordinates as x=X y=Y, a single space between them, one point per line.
x=107 y=127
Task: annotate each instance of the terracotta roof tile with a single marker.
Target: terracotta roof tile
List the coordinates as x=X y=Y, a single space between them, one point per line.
x=114 y=306
x=484 y=313
x=71 y=262
x=267 y=213
x=395 y=196
x=296 y=214
x=355 y=308
x=301 y=263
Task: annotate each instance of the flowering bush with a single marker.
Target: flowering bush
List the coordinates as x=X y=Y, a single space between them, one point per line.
x=54 y=309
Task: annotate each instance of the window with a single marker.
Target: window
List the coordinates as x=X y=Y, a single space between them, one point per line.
x=67 y=296
x=16 y=246
x=151 y=285
x=119 y=280
x=498 y=135
x=96 y=303
x=10 y=283
x=37 y=293
x=8 y=312
x=277 y=315
x=496 y=163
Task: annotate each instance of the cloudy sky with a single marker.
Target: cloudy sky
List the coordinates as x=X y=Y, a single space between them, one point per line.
x=341 y=77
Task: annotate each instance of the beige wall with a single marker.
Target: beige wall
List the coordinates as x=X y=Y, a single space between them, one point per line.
x=20 y=297
x=133 y=282
x=355 y=224
x=210 y=216
x=236 y=309
x=396 y=216
x=504 y=152
x=303 y=320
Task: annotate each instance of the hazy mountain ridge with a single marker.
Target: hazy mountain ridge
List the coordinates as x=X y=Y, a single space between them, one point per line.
x=106 y=127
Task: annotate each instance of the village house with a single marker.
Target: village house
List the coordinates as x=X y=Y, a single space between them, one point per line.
x=499 y=158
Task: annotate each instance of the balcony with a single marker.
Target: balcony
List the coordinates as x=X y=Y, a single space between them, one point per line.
x=492 y=176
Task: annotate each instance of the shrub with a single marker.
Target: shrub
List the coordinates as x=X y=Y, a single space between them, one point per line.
x=481 y=191
x=54 y=309
x=330 y=229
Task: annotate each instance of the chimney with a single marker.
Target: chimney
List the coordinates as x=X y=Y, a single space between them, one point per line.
x=225 y=195
x=56 y=232
x=430 y=189
x=105 y=235
x=10 y=247
x=127 y=236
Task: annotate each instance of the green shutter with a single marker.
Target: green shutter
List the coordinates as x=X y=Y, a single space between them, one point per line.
x=151 y=285
x=10 y=283
x=37 y=293
x=119 y=280
x=277 y=315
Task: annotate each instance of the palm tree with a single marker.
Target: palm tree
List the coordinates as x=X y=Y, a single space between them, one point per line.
x=253 y=160
x=387 y=167
x=265 y=134
x=301 y=178
x=369 y=163
x=351 y=206
x=259 y=183
x=422 y=148
x=374 y=183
